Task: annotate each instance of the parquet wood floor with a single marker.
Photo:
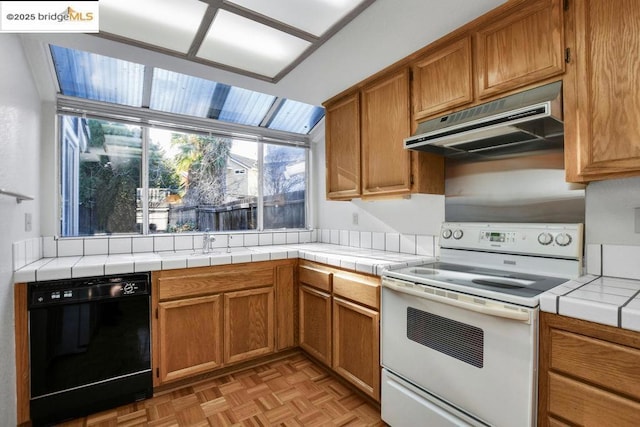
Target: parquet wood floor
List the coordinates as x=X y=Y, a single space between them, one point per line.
x=294 y=391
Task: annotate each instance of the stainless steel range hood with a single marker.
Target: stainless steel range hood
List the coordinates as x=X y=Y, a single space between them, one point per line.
x=526 y=122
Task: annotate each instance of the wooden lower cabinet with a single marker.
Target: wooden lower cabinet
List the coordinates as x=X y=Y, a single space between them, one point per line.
x=589 y=374
x=315 y=323
x=340 y=323
x=212 y=317
x=286 y=307
x=190 y=336
x=248 y=324
x=356 y=345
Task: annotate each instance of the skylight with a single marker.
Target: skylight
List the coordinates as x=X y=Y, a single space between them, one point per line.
x=101 y=78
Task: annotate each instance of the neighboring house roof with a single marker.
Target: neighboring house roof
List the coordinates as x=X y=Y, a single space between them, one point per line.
x=245 y=162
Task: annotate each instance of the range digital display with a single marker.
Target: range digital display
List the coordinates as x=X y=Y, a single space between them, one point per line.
x=496 y=237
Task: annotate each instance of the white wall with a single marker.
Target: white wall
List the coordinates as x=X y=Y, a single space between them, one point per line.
x=611 y=211
x=420 y=214
x=19 y=155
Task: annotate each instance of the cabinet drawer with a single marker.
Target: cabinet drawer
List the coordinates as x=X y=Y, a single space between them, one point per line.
x=586 y=405
x=316 y=278
x=613 y=366
x=210 y=280
x=361 y=289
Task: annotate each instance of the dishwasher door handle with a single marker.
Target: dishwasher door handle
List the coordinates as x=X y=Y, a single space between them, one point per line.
x=465 y=302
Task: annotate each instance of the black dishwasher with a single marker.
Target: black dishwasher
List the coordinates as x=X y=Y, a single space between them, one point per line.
x=90 y=345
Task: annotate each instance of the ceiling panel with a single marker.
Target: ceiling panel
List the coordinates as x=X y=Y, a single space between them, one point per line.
x=258 y=38
x=312 y=16
x=168 y=24
x=248 y=45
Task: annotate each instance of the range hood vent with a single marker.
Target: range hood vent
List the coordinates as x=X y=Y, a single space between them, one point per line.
x=525 y=122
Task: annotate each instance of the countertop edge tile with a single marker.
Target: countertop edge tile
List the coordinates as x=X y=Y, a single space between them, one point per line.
x=594 y=311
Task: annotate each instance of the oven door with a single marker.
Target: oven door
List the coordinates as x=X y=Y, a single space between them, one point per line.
x=478 y=356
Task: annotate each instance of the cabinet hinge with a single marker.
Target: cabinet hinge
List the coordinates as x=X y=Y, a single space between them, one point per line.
x=567 y=55
x=156 y=313
x=566 y=5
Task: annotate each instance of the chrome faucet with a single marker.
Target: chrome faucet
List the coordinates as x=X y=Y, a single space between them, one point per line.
x=207 y=240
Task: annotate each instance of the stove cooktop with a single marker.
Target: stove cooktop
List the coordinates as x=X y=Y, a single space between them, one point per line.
x=523 y=288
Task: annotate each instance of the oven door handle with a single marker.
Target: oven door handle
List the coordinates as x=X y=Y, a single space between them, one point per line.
x=496 y=310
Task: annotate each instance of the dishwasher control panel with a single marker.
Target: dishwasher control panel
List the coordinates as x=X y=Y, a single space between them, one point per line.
x=87 y=289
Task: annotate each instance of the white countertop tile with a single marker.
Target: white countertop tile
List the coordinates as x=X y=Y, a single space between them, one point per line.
x=28 y=272
x=91 y=265
x=173 y=263
x=549 y=302
x=605 y=289
x=58 y=268
x=630 y=315
x=608 y=300
x=587 y=309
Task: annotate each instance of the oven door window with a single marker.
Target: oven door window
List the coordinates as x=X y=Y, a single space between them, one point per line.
x=78 y=344
x=456 y=339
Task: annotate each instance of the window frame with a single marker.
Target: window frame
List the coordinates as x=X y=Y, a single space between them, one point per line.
x=89 y=109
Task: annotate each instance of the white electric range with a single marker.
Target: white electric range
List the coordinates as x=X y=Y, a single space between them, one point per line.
x=459 y=336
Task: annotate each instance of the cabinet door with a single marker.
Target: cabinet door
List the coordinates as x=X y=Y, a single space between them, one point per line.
x=190 y=336
x=442 y=79
x=602 y=90
x=342 y=139
x=386 y=165
x=356 y=348
x=286 y=313
x=248 y=324
x=520 y=48
x=315 y=323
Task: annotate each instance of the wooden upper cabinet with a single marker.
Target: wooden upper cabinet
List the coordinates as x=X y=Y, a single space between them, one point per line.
x=442 y=79
x=343 y=147
x=602 y=90
x=386 y=165
x=523 y=46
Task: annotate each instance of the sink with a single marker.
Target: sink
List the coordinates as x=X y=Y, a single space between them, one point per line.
x=198 y=252
x=235 y=249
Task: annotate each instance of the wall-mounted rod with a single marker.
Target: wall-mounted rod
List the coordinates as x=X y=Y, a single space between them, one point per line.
x=19 y=197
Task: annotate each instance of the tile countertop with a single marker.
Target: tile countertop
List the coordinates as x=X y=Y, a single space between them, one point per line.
x=355 y=259
x=607 y=300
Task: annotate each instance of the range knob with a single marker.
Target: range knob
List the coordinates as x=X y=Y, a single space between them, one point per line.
x=545 y=238
x=446 y=233
x=458 y=234
x=563 y=239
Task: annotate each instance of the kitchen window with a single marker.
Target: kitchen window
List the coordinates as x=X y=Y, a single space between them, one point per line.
x=191 y=181
x=145 y=150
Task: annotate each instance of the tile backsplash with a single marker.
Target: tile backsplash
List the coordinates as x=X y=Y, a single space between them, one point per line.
x=28 y=251
x=613 y=260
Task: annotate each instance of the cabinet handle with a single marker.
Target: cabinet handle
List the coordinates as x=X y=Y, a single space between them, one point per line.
x=567 y=55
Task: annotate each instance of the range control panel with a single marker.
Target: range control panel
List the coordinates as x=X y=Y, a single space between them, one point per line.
x=554 y=240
